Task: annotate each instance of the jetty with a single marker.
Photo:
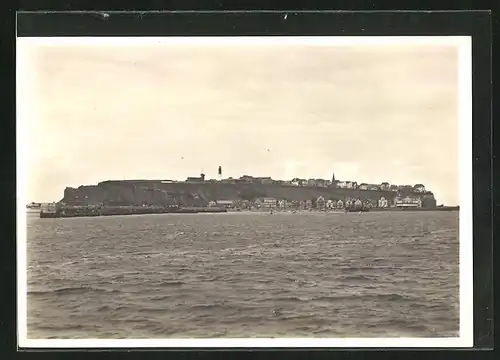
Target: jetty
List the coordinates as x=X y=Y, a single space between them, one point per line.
x=92 y=211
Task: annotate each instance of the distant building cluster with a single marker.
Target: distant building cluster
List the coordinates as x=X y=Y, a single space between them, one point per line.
x=247 y=179
x=405 y=196
x=385 y=186
x=316 y=203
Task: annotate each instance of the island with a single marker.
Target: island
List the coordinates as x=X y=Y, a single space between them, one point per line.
x=198 y=194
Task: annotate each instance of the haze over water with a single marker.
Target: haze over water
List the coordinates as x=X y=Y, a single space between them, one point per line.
x=380 y=274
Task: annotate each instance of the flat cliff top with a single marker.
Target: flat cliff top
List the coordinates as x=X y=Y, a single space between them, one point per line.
x=130 y=192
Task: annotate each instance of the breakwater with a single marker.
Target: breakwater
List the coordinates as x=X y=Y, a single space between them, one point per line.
x=90 y=211
x=437 y=208
x=130 y=210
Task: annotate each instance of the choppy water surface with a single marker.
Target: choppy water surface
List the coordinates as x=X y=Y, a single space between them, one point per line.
x=244 y=275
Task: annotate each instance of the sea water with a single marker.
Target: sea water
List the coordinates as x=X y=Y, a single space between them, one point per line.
x=379 y=274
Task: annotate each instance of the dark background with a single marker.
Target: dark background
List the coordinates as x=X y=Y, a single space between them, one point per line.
x=478 y=24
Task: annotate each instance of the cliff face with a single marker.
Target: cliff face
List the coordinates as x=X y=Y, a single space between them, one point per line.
x=130 y=193
x=158 y=193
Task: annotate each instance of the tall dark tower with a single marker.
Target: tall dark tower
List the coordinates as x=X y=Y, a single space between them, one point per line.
x=333 y=178
x=202 y=176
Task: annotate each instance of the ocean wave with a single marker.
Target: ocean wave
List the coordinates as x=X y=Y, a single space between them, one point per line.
x=159 y=298
x=72 y=290
x=356 y=278
x=291 y=298
x=211 y=306
x=61 y=327
x=152 y=310
x=172 y=283
x=365 y=297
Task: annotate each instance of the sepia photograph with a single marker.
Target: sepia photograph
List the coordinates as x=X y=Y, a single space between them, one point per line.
x=244 y=191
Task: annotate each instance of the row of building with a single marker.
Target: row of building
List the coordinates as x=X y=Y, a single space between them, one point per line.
x=247 y=179
x=385 y=186
x=320 y=203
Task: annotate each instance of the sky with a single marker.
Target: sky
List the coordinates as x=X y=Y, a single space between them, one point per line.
x=368 y=113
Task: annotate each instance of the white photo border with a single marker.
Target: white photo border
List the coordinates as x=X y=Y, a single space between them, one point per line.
x=465 y=338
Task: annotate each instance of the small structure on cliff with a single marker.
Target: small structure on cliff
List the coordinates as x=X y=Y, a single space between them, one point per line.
x=196 y=180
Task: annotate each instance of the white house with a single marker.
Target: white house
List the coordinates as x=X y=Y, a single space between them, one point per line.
x=225 y=203
x=342 y=184
x=321 y=183
x=363 y=186
x=299 y=182
x=347 y=184
x=383 y=203
x=408 y=202
x=385 y=186
x=352 y=185
x=419 y=188
x=268 y=202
